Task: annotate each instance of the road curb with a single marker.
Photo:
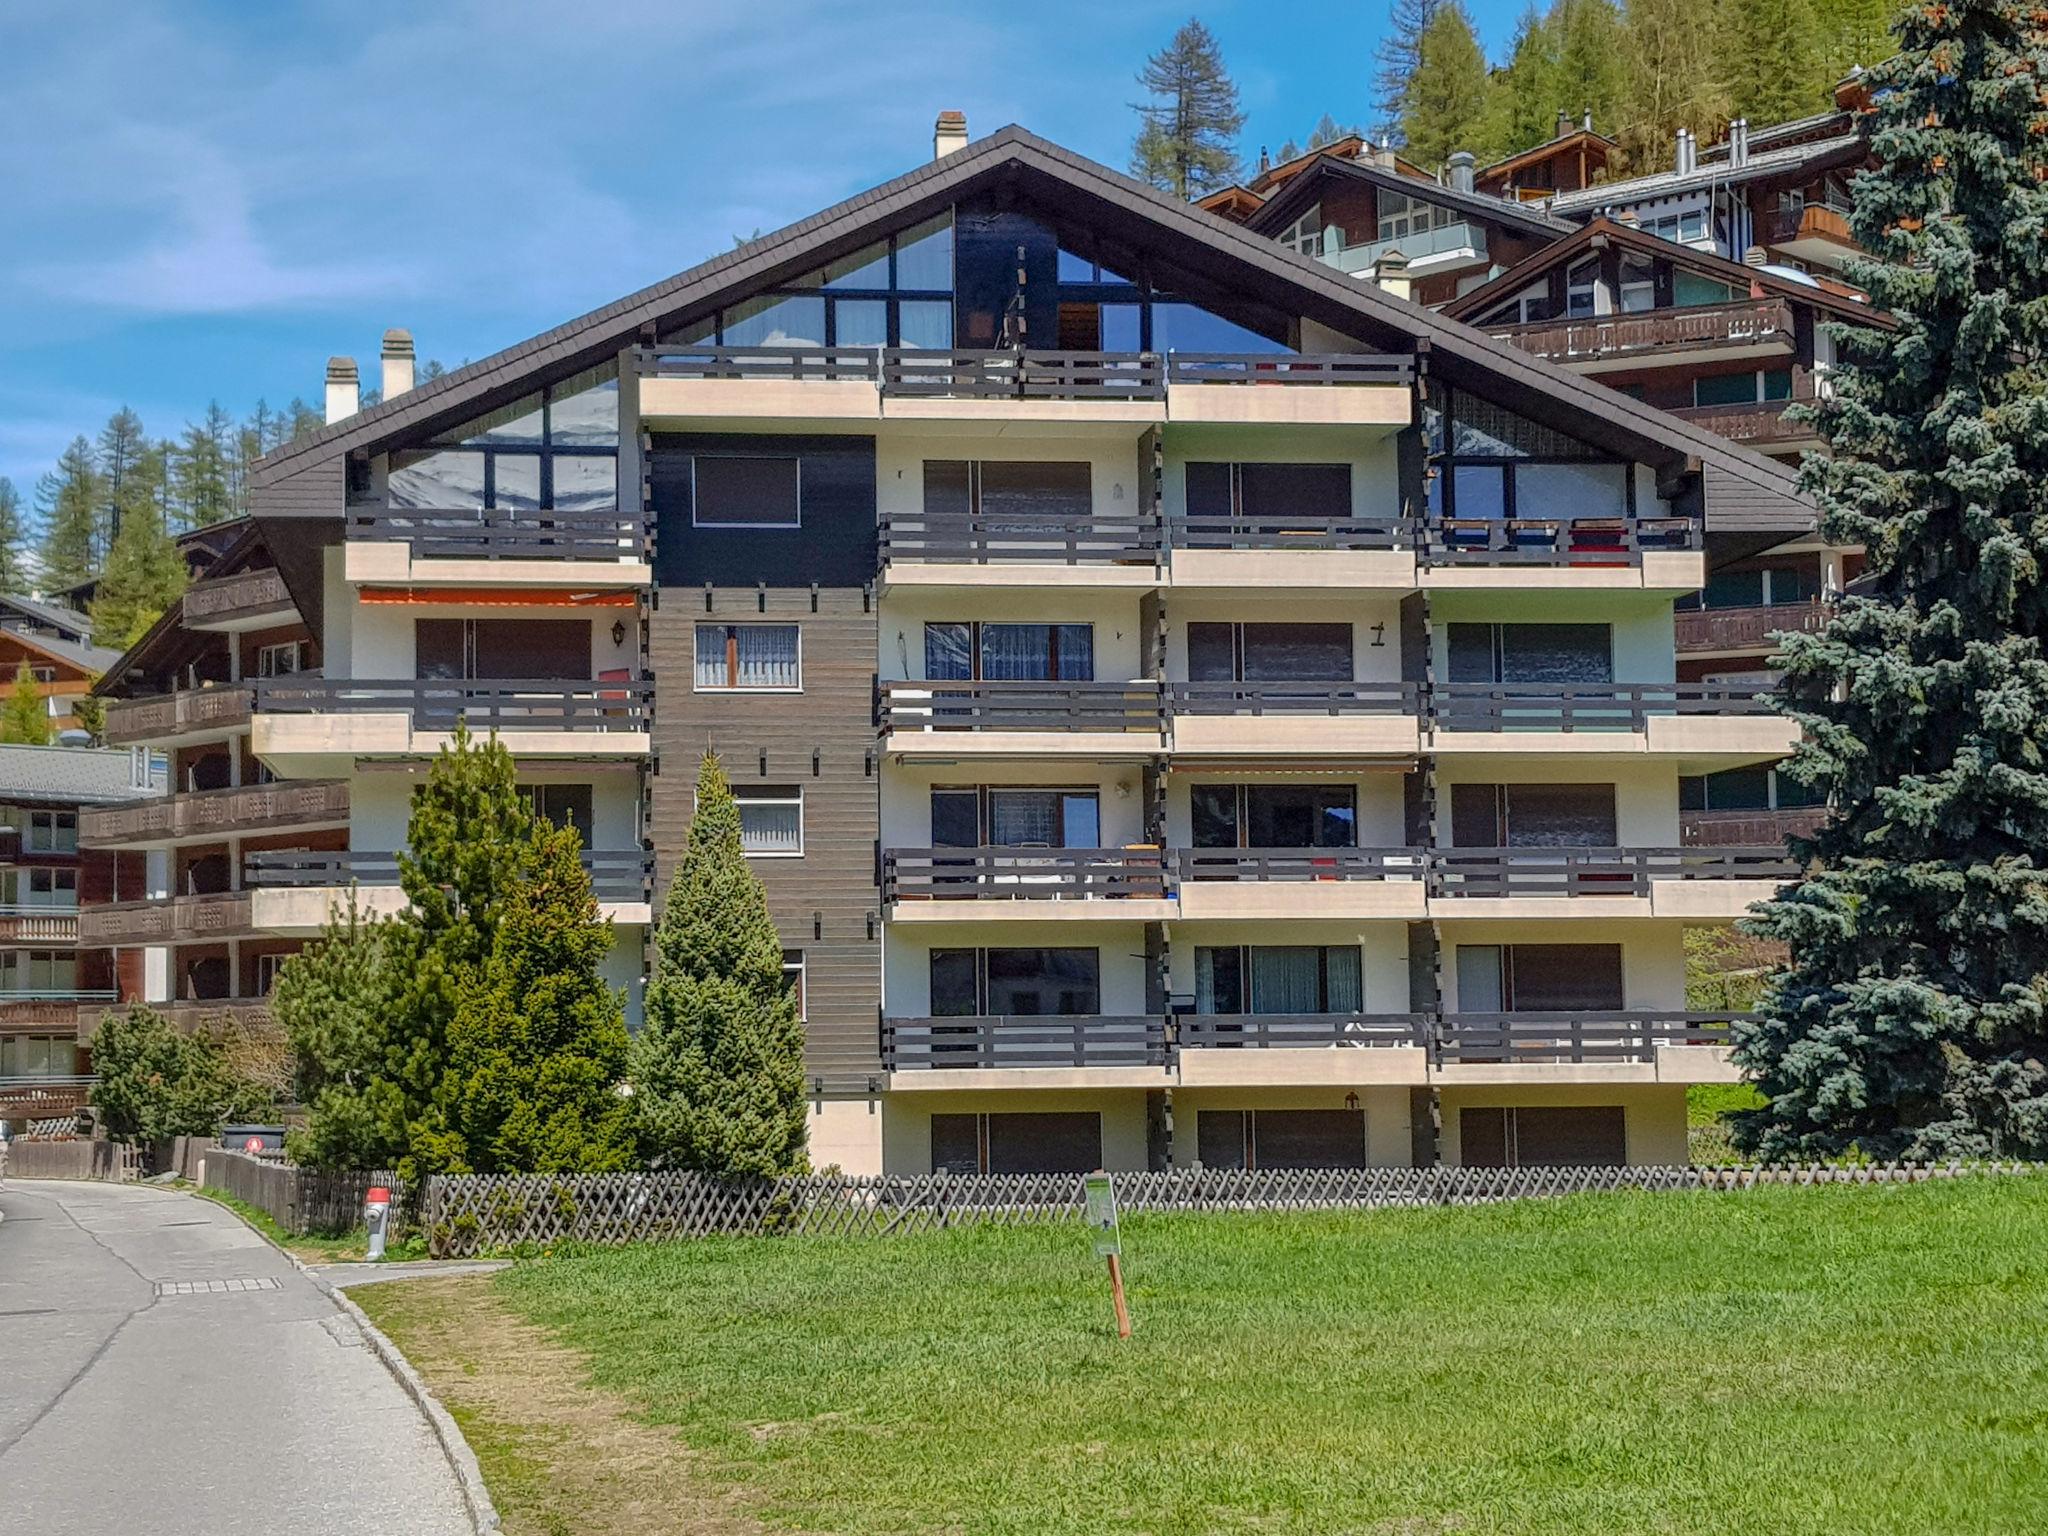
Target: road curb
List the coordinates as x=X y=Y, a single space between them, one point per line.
x=469 y=1477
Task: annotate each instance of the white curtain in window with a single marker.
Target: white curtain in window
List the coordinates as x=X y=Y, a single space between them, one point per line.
x=771 y=826
x=767 y=656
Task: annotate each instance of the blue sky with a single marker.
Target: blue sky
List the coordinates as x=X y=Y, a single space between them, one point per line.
x=205 y=199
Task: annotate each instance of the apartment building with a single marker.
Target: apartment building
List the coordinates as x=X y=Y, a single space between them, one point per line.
x=53 y=980
x=55 y=643
x=1150 y=753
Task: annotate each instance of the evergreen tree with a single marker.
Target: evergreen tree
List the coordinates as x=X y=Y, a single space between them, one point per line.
x=1773 y=60
x=121 y=455
x=1853 y=34
x=144 y=575
x=1398 y=56
x=200 y=482
x=1592 y=66
x=334 y=1001
x=1910 y=1016
x=1188 y=143
x=1674 y=65
x=537 y=1049
x=156 y=1082
x=1523 y=96
x=1445 y=100
x=90 y=711
x=717 y=1067
x=25 y=719
x=14 y=574
x=1328 y=131
x=67 y=503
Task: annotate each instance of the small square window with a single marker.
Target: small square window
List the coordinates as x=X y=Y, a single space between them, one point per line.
x=278 y=660
x=771 y=819
x=751 y=656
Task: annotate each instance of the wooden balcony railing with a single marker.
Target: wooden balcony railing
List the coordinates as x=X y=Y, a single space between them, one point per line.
x=1310 y=530
x=38 y=925
x=1298 y=864
x=48 y=1097
x=615 y=876
x=1293 y=699
x=166 y=716
x=1815 y=221
x=245 y=595
x=209 y=812
x=1019 y=706
x=501 y=534
x=436 y=704
x=1023 y=874
x=986 y=1041
x=1299 y=1031
x=49 y=1011
x=1742 y=323
x=1498 y=872
x=1627 y=1035
x=1585 y=706
x=176 y=919
x=1719 y=829
x=250 y=1014
x=1764 y=422
x=1747 y=629
x=1590 y=540
x=1042 y=538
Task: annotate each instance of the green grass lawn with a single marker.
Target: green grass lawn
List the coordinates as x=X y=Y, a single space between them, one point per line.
x=1832 y=1360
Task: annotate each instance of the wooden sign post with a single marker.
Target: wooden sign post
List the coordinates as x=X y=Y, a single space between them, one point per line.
x=1100 y=1196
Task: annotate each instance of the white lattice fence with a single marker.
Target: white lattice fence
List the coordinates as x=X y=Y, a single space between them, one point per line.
x=469 y=1214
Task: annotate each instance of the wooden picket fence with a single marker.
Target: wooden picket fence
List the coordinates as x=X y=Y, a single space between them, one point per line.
x=303 y=1200
x=470 y=1214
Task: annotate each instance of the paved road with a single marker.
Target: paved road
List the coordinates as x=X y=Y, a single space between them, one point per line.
x=134 y=1398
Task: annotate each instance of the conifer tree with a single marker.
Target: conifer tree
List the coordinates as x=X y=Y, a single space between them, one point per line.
x=1328 y=131
x=1773 y=55
x=1910 y=1016
x=144 y=575
x=14 y=576
x=68 y=502
x=200 y=484
x=1674 y=66
x=1188 y=142
x=1853 y=34
x=537 y=1049
x=1592 y=68
x=1445 y=101
x=25 y=719
x=334 y=1000
x=1523 y=96
x=155 y=1081
x=717 y=1068
x=121 y=455
x=1398 y=56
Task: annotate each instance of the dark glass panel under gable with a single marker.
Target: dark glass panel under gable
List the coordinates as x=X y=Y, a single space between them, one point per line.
x=1490 y=462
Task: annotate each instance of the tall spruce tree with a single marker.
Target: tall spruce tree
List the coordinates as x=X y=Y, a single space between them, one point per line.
x=122 y=454
x=25 y=717
x=200 y=471
x=1444 y=105
x=1773 y=60
x=717 y=1068
x=14 y=573
x=537 y=1049
x=1912 y=1017
x=144 y=575
x=1188 y=142
x=335 y=1003
x=1673 y=54
x=1397 y=58
x=1523 y=96
x=1592 y=66
x=68 y=504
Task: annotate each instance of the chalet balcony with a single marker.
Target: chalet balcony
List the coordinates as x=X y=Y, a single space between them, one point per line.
x=1744 y=328
x=1696 y=883
x=623 y=877
x=246 y=600
x=680 y=382
x=1670 y=545
x=189 y=1014
x=214 y=712
x=1035 y=1043
x=50 y=1097
x=1305 y=547
x=1447 y=248
x=38 y=925
x=1300 y=883
x=315 y=725
x=1300 y=1031
x=1055 y=546
x=52 y=1011
x=1631 y=1037
x=203 y=815
x=168 y=920
x=1817 y=233
x=955 y=719
x=1708 y=725
x=471 y=546
x=1723 y=631
x=1316 y=718
x=1763 y=425
x=947 y=884
x=1720 y=829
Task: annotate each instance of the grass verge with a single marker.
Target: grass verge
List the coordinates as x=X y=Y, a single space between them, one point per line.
x=344 y=1248
x=1811 y=1360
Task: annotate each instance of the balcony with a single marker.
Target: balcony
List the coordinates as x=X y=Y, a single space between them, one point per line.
x=948 y=884
x=1373 y=719
x=1307 y=549
x=1305 y=1050
x=208 y=814
x=684 y=382
x=210 y=713
x=249 y=1014
x=1046 y=548
x=296 y=892
x=1816 y=232
x=50 y=1011
x=309 y=724
x=945 y=720
x=38 y=925
x=1591 y=551
x=1593 y=344
x=246 y=600
x=471 y=547
x=52 y=1097
x=1763 y=425
x=1720 y=829
x=1624 y=1045
x=1447 y=248
x=1604 y=883
x=1707 y=725
x=1074 y=1051
x=168 y=920
x=1746 y=631
x=1300 y=883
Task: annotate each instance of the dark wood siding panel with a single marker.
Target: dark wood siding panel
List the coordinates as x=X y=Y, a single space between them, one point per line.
x=835 y=546
x=822 y=739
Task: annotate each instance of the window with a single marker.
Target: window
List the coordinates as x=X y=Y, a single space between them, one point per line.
x=1638 y=284
x=1278 y=978
x=481 y=650
x=771 y=819
x=1531 y=653
x=1016 y=818
x=1275 y=496
x=735 y=491
x=49 y=889
x=1533 y=816
x=1760 y=586
x=1068 y=1141
x=280 y=660
x=1017 y=497
x=52 y=832
x=1280 y=1138
x=558 y=449
x=1683 y=228
x=1491 y=463
x=860 y=300
x=566 y=805
x=1402 y=216
x=267 y=967
x=1527 y=307
x=966 y=652
x=749 y=656
x=1061 y=983
x=1580 y=284
x=1274 y=815
x=39 y=972
x=1539 y=978
x=1746 y=789
x=1305 y=234
x=1263 y=652
x=1690 y=288
x=26 y=1056
x=793 y=977
x=1743 y=388
x=1521 y=1136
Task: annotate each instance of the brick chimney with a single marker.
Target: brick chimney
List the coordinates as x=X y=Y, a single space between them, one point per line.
x=344 y=394
x=949 y=133
x=397 y=360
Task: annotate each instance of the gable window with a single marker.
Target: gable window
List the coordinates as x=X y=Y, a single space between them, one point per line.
x=746 y=491
x=1401 y=216
x=556 y=450
x=1527 y=307
x=1690 y=288
x=1034 y=653
x=760 y=657
x=1531 y=653
x=1491 y=463
x=1305 y=234
x=771 y=819
x=1266 y=652
x=1638 y=283
x=1580 y=287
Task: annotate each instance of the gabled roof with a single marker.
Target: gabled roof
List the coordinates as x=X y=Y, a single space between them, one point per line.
x=1604 y=230
x=71 y=775
x=58 y=616
x=1086 y=192
x=233 y=547
x=82 y=654
x=1846 y=149
x=1287 y=205
x=1548 y=149
x=1830 y=124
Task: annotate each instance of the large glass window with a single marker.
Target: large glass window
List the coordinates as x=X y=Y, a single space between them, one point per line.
x=1531 y=653
x=1018 y=496
x=1539 y=978
x=1274 y=815
x=963 y=652
x=1065 y=983
x=1278 y=978
x=755 y=656
x=895 y=292
x=1267 y=652
x=557 y=450
x=1490 y=463
x=1743 y=388
x=1533 y=816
